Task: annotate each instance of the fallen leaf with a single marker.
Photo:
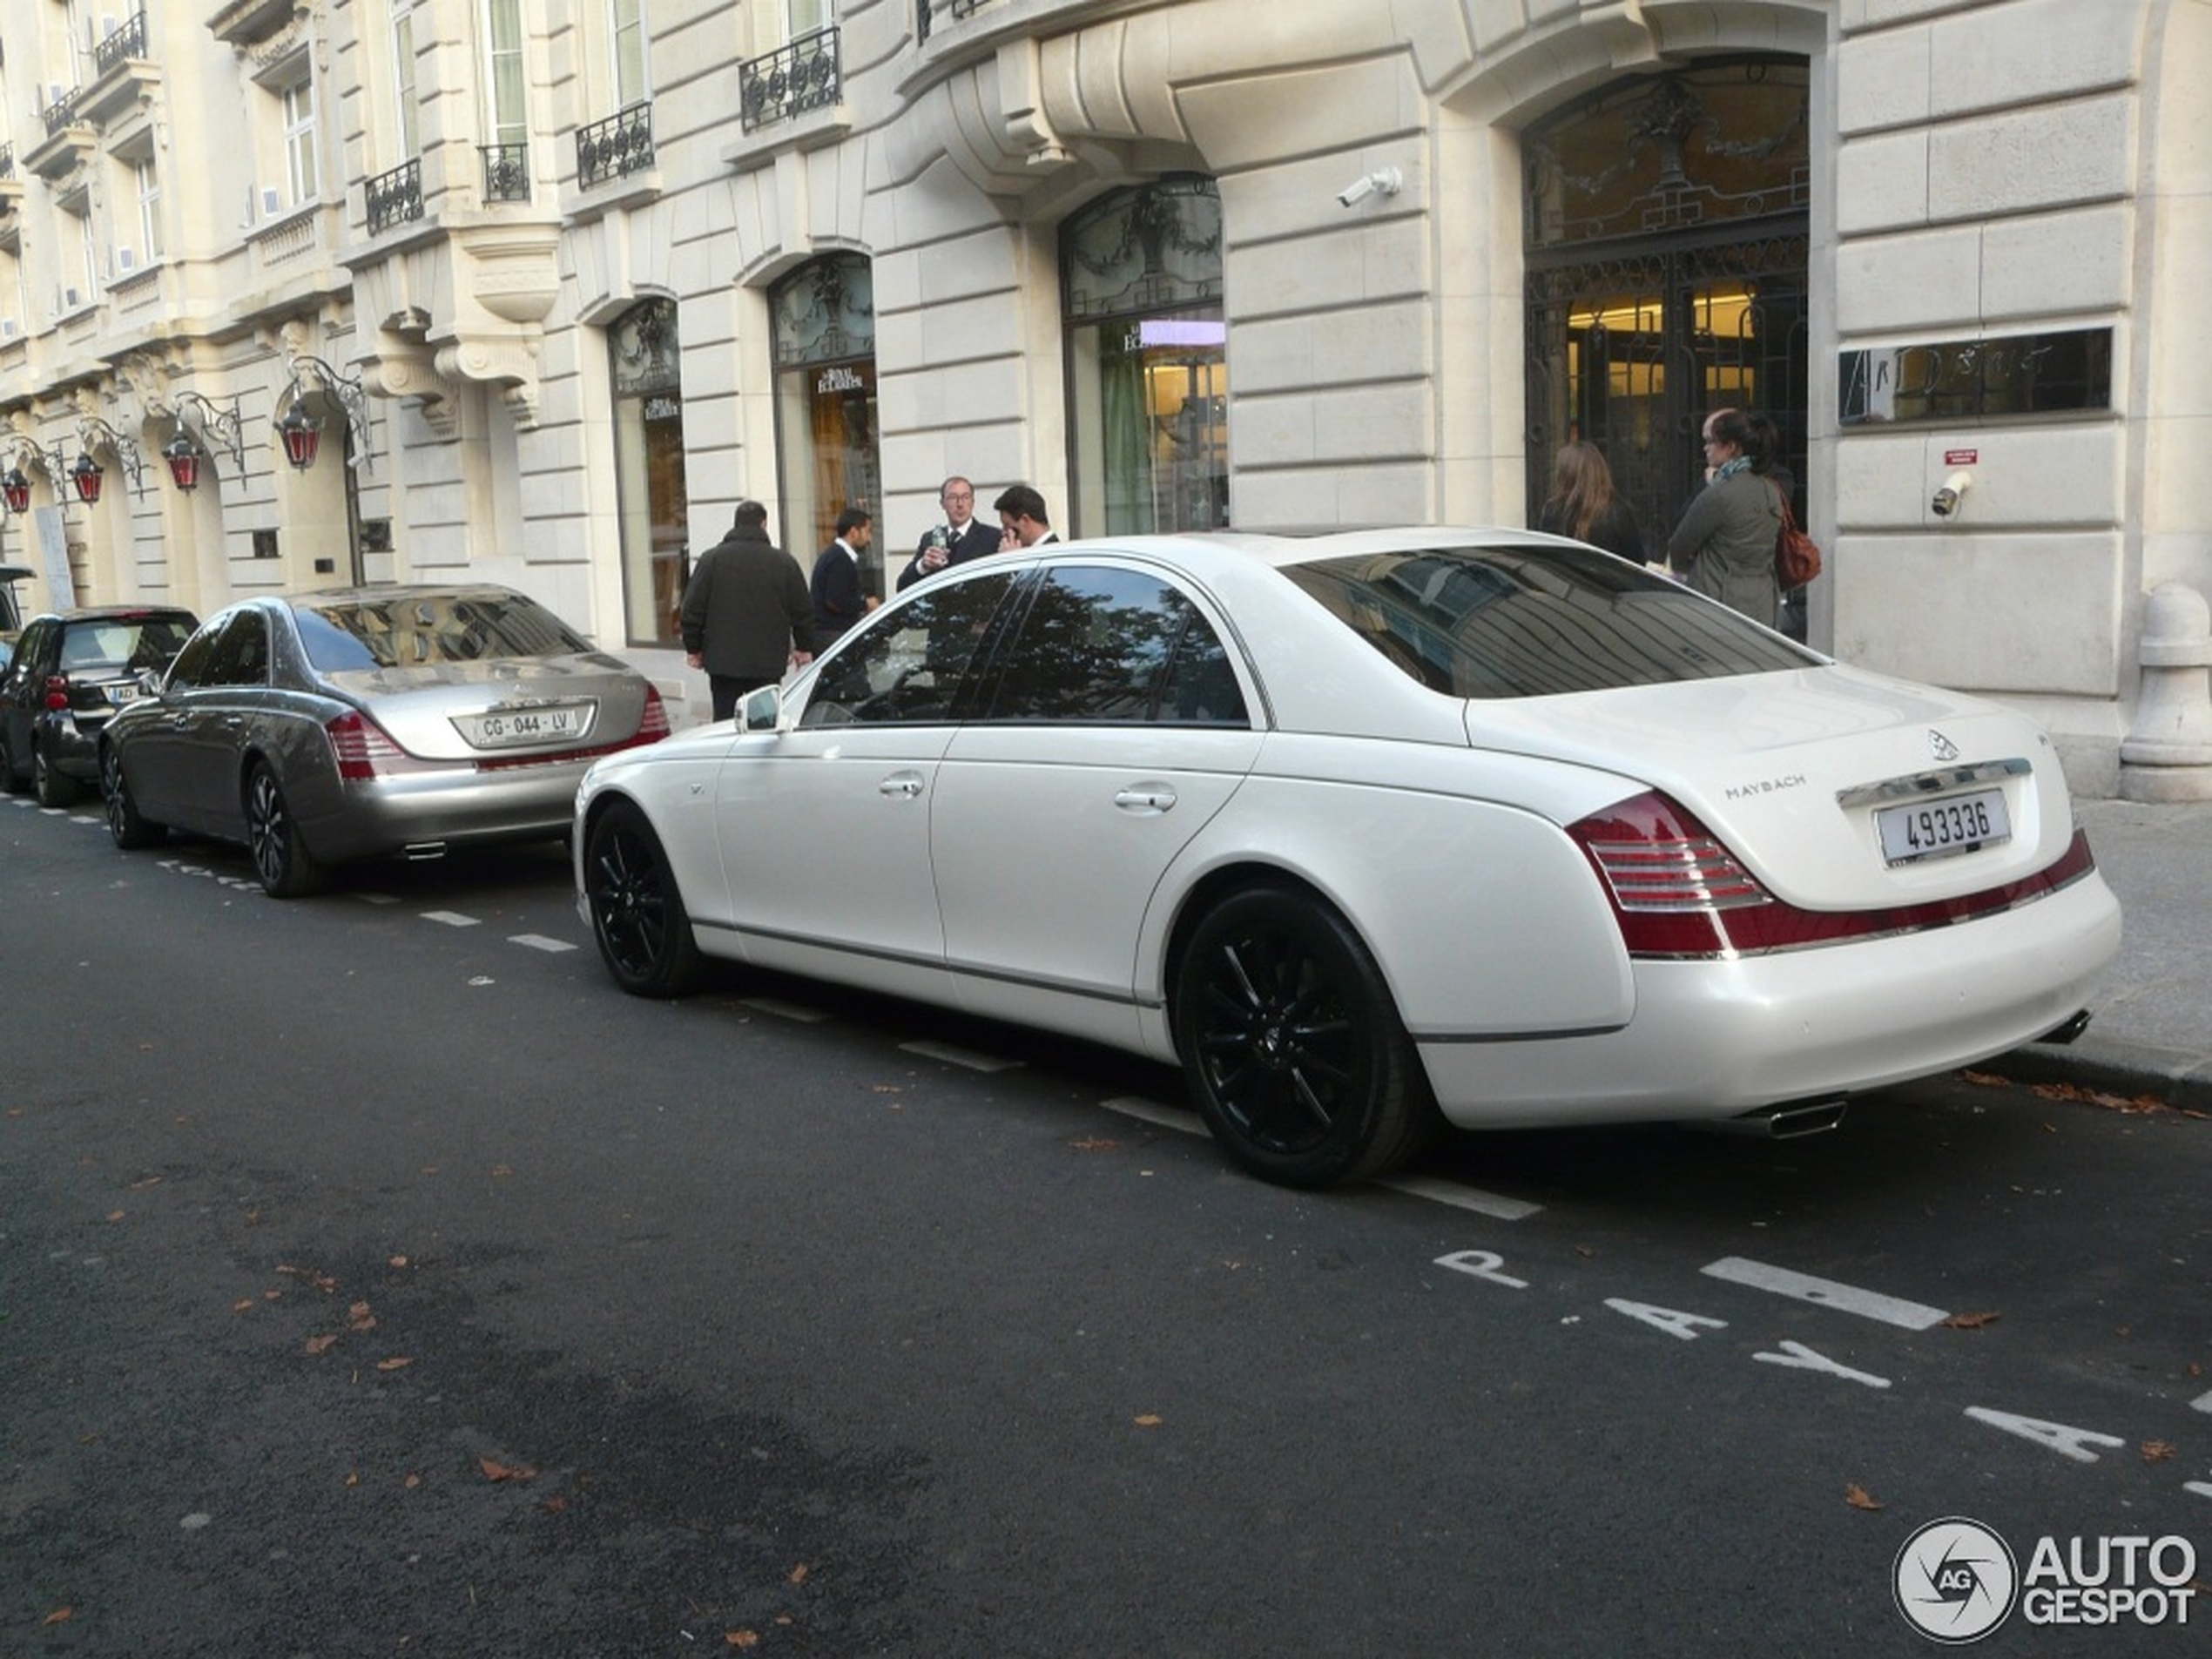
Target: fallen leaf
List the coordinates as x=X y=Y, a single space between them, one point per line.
x=243 y=1304
x=1987 y=1079
x=320 y=1345
x=1971 y=1321
x=352 y=1478
x=742 y=1638
x=554 y=1505
x=395 y=1363
x=59 y=1615
x=144 y=1181
x=1150 y=1420
x=115 y=1214
x=411 y=1481
x=494 y=1471
x=397 y=1261
x=360 y=1318
x=798 y=1574
x=502 y=1169
x=1857 y=1498
x=1095 y=1143
x=2157 y=1451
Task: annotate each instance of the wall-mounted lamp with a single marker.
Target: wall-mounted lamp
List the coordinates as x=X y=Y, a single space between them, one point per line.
x=15 y=485
x=86 y=474
x=17 y=490
x=301 y=433
x=184 y=456
x=1389 y=181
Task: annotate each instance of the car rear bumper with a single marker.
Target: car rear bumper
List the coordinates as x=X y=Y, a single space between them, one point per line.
x=1713 y=1040
x=423 y=814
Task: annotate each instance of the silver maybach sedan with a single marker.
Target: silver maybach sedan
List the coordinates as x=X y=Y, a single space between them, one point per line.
x=324 y=728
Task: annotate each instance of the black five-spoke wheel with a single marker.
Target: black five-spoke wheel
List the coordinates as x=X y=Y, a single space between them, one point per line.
x=125 y=826
x=280 y=858
x=637 y=914
x=1292 y=1045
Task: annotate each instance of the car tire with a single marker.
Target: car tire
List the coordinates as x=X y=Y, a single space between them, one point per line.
x=637 y=914
x=1292 y=1045
x=124 y=827
x=53 y=788
x=288 y=870
x=10 y=779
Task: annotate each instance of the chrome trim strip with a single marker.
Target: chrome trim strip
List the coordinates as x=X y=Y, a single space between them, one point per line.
x=1931 y=782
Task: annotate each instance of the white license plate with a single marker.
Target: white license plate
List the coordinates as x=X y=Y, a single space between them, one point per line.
x=1936 y=829
x=512 y=728
x=119 y=695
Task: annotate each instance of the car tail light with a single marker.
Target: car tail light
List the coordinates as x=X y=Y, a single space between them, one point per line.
x=1678 y=891
x=57 y=691
x=653 y=725
x=364 y=750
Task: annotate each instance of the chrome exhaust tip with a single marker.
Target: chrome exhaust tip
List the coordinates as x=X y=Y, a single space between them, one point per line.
x=2075 y=1026
x=1789 y=1122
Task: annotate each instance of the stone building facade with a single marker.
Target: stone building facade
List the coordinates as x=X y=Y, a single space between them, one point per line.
x=555 y=282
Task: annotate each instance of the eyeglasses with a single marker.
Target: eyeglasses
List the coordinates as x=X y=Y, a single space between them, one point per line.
x=958 y=495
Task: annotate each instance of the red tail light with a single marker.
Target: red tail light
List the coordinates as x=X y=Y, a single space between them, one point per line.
x=364 y=750
x=57 y=691
x=1678 y=891
x=653 y=726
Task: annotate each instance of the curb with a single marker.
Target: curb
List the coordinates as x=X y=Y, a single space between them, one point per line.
x=2180 y=1080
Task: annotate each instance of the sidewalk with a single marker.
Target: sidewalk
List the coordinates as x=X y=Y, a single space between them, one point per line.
x=2151 y=1029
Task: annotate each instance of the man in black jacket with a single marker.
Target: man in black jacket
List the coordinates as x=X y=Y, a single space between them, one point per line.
x=960 y=538
x=839 y=592
x=747 y=615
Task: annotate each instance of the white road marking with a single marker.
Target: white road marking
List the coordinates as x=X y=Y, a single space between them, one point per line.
x=539 y=942
x=2202 y=1403
x=967 y=1057
x=1824 y=1292
x=2063 y=1437
x=450 y=919
x=1495 y=1205
x=1152 y=1111
x=1798 y=1357
x=783 y=1011
x=1482 y=1264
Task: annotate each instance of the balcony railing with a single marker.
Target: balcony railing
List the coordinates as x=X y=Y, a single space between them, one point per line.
x=63 y=110
x=121 y=43
x=801 y=76
x=926 y=12
x=394 y=197
x=7 y=161
x=507 y=172
x=621 y=144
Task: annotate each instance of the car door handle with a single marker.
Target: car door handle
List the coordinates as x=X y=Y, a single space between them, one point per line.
x=902 y=786
x=1146 y=798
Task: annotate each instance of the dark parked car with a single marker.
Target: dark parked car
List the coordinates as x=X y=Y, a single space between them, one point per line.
x=323 y=728
x=71 y=672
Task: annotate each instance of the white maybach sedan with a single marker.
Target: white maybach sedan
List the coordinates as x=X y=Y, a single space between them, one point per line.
x=1366 y=830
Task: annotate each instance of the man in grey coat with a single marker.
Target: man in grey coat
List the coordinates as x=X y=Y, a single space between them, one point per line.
x=746 y=613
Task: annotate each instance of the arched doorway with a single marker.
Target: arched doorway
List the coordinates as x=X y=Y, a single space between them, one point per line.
x=1666 y=230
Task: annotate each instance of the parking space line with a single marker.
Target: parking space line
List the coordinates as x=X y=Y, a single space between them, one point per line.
x=1825 y=1292
x=1497 y=1206
x=450 y=919
x=2202 y=1403
x=967 y=1057
x=539 y=942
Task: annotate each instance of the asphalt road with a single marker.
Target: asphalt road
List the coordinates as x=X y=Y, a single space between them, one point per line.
x=375 y=1278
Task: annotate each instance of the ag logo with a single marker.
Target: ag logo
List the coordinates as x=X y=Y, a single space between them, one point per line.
x=1955 y=1580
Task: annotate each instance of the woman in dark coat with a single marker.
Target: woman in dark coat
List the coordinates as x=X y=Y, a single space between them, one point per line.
x=1583 y=504
x=1724 y=545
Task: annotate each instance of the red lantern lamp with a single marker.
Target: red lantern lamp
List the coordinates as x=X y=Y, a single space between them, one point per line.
x=302 y=436
x=17 y=488
x=184 y=458
x=86 y=474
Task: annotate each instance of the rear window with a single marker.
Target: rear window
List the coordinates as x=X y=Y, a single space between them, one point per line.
x=123 y=643
x=1486 y=622
x=420 y=629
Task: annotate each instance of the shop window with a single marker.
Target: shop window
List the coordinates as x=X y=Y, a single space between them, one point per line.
x=826 y=431
x=652 y=506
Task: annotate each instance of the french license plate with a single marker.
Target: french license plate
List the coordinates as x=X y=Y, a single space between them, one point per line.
x=1936 y=829
x=512 y=728
x=118 y=695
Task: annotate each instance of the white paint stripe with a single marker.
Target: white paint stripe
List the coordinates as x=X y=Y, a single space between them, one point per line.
x=967 y=1057
x=87 y=818
x=1152 y=1112
x=1825 y=1292
x=783 y=1011
x=1495 y=1205
x=450 y=919
x=539 y=942
x=2202 y=1403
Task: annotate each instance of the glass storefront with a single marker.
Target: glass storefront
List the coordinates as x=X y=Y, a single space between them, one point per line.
x=1148 y=372
x=826 y=435
x=655 y=520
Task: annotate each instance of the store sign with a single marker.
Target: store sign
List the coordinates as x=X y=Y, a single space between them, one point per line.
x=842 y=377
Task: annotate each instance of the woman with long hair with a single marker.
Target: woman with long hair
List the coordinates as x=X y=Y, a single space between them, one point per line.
x=1724 y=545
x=1583 y=504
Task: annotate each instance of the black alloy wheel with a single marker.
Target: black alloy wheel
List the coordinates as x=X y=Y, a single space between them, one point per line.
x=638 y=915
x=280 y=858
x=54 y=788
x=124 y=826
x=1292 y=1044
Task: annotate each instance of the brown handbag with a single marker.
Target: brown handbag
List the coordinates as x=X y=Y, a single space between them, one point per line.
x=1796 y=556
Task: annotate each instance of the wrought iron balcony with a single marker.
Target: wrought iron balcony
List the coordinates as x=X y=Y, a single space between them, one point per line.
x=63 y=110
x=507 y=172
x=394 y=197
x=799 y=77
x=7 y=161
x=121 y=43
x=620 y=145
x=926 y=12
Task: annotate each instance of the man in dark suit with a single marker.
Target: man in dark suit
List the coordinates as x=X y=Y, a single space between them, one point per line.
x=746 y=616
x=1024 y=519
x=840 y=595
x=959 y=538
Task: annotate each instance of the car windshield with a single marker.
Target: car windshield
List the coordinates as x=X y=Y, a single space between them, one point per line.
x=123 y=643
x=1536 y=621
x=417 y=630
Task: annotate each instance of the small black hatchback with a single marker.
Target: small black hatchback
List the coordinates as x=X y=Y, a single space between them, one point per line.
x=69 y=673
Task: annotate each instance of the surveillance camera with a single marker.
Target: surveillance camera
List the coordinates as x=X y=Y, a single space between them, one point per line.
x=1358 y=190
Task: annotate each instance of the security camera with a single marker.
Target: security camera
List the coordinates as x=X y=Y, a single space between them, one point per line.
x=1388 y=180
x=1946 y=499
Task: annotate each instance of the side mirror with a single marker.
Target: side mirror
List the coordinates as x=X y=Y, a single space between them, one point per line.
x=151 y=681
x=761 y=710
